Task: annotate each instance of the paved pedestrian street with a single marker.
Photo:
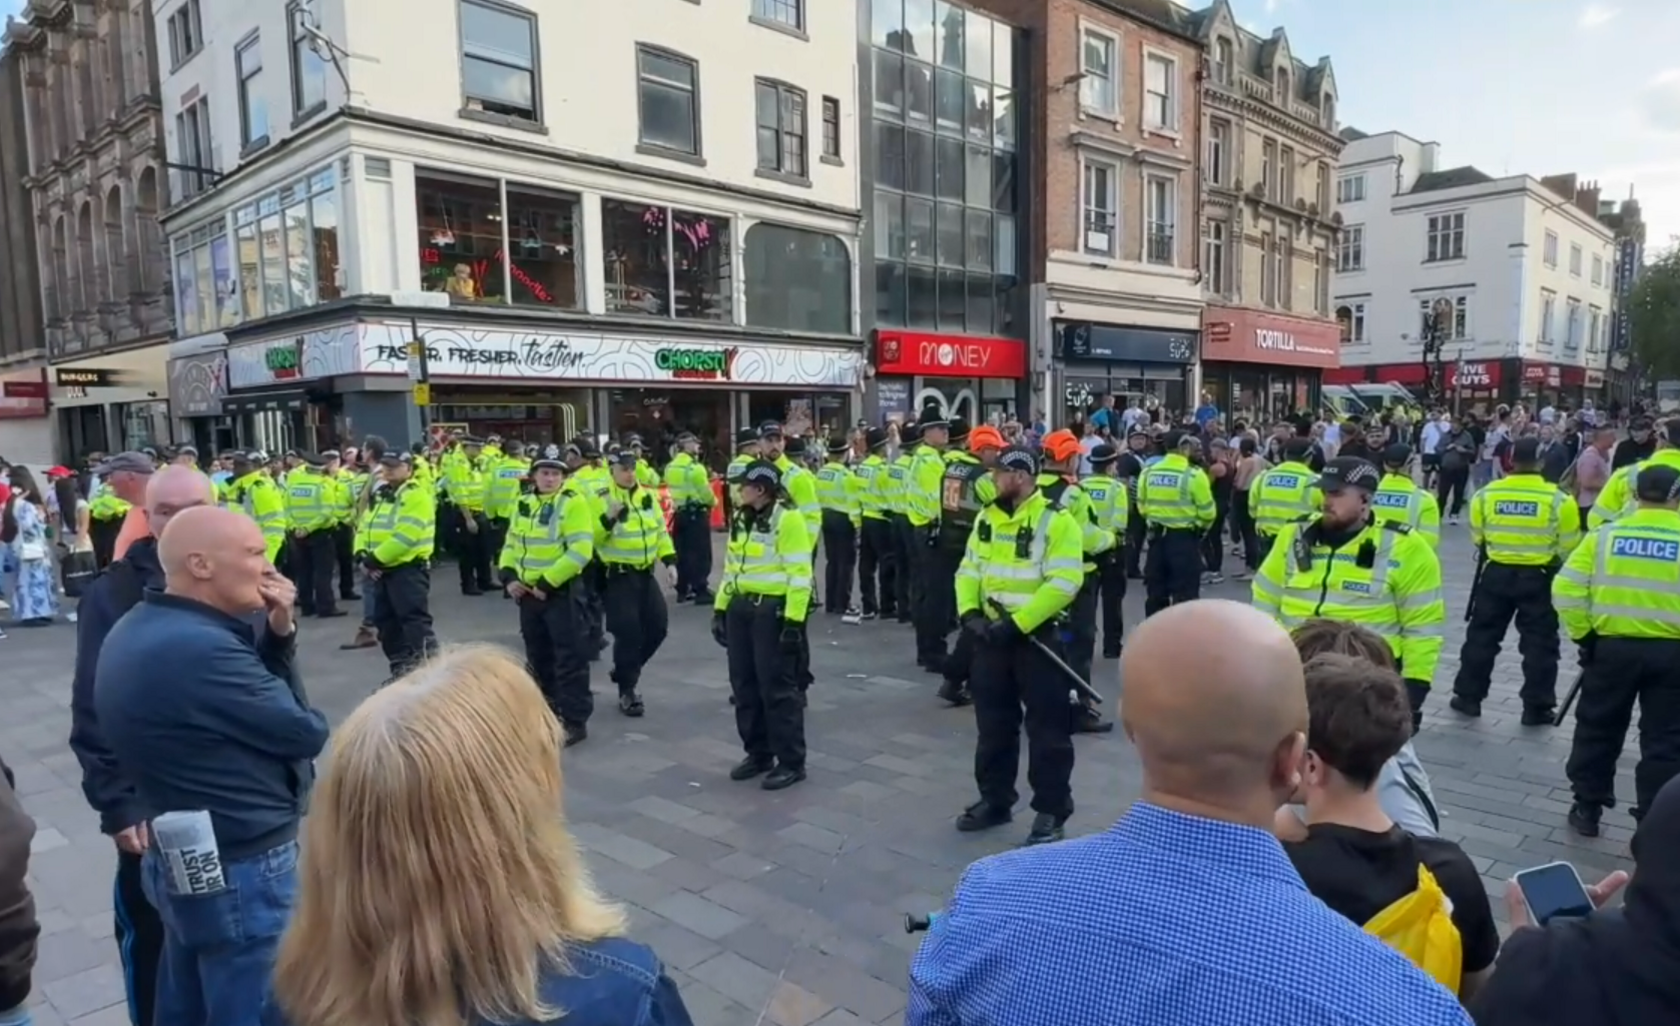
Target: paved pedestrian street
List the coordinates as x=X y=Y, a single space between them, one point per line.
x=783 y=908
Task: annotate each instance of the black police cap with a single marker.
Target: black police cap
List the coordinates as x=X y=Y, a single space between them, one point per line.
x=1396 y=455
x=1349 y=472
x=551 y=458
x=1103 y=454
x=876 y=437
x=838 y=443
x=1018 y=458
x=762 y=473
x=959 y=428
x=745 y=436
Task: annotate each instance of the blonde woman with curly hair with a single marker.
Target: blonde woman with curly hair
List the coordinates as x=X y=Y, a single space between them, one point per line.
x=438 y=883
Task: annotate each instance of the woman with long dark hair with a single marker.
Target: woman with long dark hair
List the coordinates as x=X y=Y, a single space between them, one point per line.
x=24 y=530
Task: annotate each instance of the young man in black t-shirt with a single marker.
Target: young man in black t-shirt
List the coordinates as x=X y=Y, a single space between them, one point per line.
x=1354 y=858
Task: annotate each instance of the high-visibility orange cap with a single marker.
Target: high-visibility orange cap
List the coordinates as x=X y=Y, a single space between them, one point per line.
x=1061 y=445
x=983 y=437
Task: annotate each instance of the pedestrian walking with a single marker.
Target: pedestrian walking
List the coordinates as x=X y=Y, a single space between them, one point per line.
x=396 y=551
x=631 y=542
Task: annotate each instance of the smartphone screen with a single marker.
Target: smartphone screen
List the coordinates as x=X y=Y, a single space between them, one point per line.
x=1552 y=891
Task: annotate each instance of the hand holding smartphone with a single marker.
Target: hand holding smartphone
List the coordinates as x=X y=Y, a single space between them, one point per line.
x=1537 y=896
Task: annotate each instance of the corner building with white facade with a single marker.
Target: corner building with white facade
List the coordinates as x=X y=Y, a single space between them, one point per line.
x=636 y=216
x=1515 y=274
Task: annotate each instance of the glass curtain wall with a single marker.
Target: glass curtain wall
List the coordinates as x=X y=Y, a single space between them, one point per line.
x=944 y=127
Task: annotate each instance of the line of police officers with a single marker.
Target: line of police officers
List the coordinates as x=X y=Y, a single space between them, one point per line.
x=1025 y=559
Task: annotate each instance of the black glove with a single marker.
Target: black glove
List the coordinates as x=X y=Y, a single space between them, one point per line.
x=1586 y=650
x=975 y=623
x=720 y=632
x=1003 y=632
x=370 y=563
x=792 y=637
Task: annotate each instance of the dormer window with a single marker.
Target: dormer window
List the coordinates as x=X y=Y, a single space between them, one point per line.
x=1328 y=110
x=1283 y=95
x=1223 y=61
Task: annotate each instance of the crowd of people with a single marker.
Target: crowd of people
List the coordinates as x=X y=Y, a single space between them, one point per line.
x=1285 y=863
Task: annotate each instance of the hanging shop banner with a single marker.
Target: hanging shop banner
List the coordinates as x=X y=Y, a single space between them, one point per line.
x=582 y=356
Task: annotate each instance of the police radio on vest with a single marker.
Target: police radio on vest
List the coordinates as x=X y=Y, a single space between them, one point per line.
x=1646 y=548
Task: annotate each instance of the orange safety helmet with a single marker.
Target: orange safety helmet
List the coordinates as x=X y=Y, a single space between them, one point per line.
x=983 y=437
x=1061 y=445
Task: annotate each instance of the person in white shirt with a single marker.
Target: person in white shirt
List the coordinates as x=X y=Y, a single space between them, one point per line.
x=1434 y=429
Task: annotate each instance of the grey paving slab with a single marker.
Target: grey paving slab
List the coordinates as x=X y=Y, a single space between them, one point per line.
x=782 y=907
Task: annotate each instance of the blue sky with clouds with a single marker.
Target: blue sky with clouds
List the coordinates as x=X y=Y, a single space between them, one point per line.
x=1511 y=86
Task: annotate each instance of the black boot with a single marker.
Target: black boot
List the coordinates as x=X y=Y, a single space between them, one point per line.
x=1538 y=715
x=751 y=766
x=1465 y=706
x=1090 y=721
x=782 y=776
x=1584 y=816
x=983 y=815
x=955 y=693
x=630 y=703
x=1046 y=829
x=575 y=732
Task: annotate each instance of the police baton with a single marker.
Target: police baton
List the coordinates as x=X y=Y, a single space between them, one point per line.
x=1086 y=690
x=1569 y=699
x=1475 y=583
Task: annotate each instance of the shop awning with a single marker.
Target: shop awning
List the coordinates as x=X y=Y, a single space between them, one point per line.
x=264 y=401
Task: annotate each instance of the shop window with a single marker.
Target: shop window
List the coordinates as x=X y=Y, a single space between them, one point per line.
x=300 y=262
x=460 y=237
x=542 y=231
x=323 y=226
x=797 y=280
x=665 y=262
x=272 y=243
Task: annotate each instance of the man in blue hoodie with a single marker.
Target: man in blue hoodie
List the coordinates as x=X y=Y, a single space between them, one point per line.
x=139 y=932
x=207 y=718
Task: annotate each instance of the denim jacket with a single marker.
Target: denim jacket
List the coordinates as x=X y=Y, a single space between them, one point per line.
x=613 y=982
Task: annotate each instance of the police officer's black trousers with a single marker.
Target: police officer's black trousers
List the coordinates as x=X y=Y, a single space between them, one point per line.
x=1173 y=571
x=769 y=703
x=472 y=550
x=1111 y=595
x=935 y=606
x=402 y=614
x=1137 y=530
x=498 y=538
x=904 y=550
x=1624 y=670
x=1082 y=627
x=313 y=556
x=876 y=555
x=638 y=620
x=1525 y=593
x=556 y=636
x=595 y=592
x=343 y=537
x=692 y=535
x=448 y=525
x=1005 y=680
x=840 y=542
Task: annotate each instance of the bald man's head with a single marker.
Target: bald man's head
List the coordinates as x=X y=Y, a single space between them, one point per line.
x=173 y=490
x=216 y=556
x=1216 y=703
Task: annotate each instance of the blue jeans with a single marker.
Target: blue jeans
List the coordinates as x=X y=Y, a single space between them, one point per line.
x=219 y=949
x=367 y=596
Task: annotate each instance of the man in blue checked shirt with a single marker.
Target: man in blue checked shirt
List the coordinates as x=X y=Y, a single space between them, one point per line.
x=1187 y=912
